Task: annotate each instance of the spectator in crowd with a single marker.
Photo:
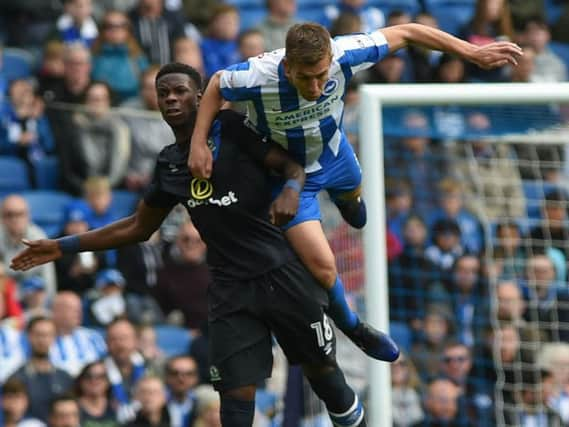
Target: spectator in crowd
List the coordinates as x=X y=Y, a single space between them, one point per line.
x=16 y=225
x=76 y=272
x=102 y=145
x=398 y=17
x=450 y=69
x=441 y=405
x=15 y=404
x=219 y=48
x=554 y=359
x=106 y=302
x=476 y=396
x=509 y=252
x=522 y=10
x=184 y=263
x=149 y=133
x=410 y=275
x=92 y=389
x=43 y=380
x=118 y=60
x=553 y=230
x=64 y=412
x=446 y=247
x=467 y=294
x=74 y=82
x=52 y=68
x=406 y=401
x=95 y=208
x=34 y=298
x=151 y=394
x=125 y=367
x=510 y=310
x=437 y=330
x=187 y=51
x=181 y=379
x=399 y=201
x=74 y=346
x=546 y=299
x=12 y=348
x=251 y=43
x=451 y=207
x=281 y=16
x=492 y=21
x=371 y=17
x=25 y=130
x=412 y=158
x=208 y=407
x=77 y=23
x=548 y=66
x=155 y=28
x=345 y=23
x=489 y=174
x=148 y=347
x=11 y=313
x=392 y=69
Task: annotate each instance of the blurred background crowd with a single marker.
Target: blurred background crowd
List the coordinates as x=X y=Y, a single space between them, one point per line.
x=477 y=227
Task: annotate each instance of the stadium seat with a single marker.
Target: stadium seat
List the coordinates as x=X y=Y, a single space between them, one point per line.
x=452 y=17
x=47 y=209
x=387 y=6
x=534 y=192
x=173 y=340
x=401 y=334
x=16 y=63
x=553 y=10
x=13 y=175
x=561 y=50
x=47 y=173
x=312 y=13
x=251 y=17
x=124 y=202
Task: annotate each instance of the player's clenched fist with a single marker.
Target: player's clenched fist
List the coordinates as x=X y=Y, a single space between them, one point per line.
x=200 y=160
x=38 y=252
x=284 y=208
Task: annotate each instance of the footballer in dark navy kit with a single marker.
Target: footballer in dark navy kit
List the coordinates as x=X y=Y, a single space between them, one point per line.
x=260 y=287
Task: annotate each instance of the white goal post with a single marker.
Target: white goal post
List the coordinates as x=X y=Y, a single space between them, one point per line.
x=372 y=99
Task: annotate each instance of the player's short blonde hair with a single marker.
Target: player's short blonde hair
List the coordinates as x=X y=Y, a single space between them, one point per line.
x=307 y=43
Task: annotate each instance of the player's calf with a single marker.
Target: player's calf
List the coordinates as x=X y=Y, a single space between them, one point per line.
x=329 y=384
x=238 y=407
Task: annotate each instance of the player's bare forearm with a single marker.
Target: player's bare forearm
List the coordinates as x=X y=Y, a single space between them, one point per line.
x=489 y=56
x=210 y=105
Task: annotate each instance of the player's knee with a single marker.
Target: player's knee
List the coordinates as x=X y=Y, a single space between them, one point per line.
x=244 y=393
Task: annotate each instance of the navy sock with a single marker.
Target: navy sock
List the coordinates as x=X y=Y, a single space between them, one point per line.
x=237 y=413
x=344 y=407
x=338 y=309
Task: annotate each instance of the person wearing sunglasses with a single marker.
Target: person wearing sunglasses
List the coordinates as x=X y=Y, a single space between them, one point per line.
x=181 y=378
x=92 y=389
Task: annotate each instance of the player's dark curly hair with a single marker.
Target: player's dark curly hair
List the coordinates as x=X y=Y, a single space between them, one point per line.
x=179 y=68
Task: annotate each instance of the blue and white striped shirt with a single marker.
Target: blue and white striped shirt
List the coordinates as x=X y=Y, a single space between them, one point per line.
x=310 y=130
x=13 y=352
x=72 y=352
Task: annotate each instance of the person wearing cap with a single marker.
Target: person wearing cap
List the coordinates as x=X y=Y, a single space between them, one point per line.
x=553 y=230
x=34 y=297
x=106 y=302
x=446 y=247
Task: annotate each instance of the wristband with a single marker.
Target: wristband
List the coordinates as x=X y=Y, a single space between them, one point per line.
x=69 y=244
x=294 y=184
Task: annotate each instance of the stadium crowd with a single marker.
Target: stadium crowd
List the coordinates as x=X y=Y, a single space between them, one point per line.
x=478 y=282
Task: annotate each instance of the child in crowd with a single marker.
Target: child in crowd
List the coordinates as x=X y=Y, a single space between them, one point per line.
x=220 y=48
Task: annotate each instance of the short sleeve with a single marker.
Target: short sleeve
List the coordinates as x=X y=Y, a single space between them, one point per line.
x=360 y=51
x=235 y=129
x=234 y=82
x=154 y=196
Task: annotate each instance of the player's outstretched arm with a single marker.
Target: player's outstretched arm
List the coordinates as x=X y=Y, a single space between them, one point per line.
x=132 y=229
x=488 y=56
x=284 y=207
x=200 y=160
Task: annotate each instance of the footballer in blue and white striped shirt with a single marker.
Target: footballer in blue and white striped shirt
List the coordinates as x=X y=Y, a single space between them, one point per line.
x=295 y=96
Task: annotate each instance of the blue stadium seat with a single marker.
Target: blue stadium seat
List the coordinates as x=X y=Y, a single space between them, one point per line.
x=173 y=340
x=561 y=50
x=401 y=334
x=124 y=202
x=387 y=6
x=534 y=192
x=47 y=209
x=553 y=10
x=248 y=4
x=17 y=63
x=13 y=175
x=251 y=17
x=312 y=13
x=47 y=173
x=452 y=17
